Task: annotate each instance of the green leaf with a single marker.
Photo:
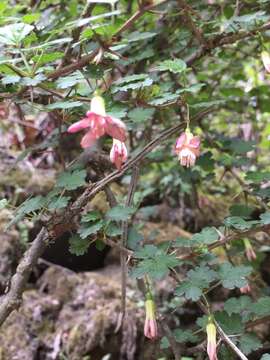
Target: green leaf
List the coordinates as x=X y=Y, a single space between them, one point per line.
x=10 y=79
x=206 y=161
x=234 y=276
x=134 y=238
x=241 y=210
x=138 y=36
x=78 y=246
x=13 y=34
x=140 y=115
x=166 y=97
x=89 y=229
x=3 y=203
x=207 y=236
x=31 y=18
x=69 y=81
x=265 y=357
x=182 y=336
x=258 y=176
x=249 y=343
x=175 y=66
x=237 y=222
x=146 y=252
x=241 y=146
x=156 y=263
x=131 y=78
x=230 y=324
x=197 y=280
x=91 y=216
x=265 y=218
x=33 y=81
x=29 y=206
x=58 y=202
x=113 y=230
x=64 y=105
x=47 y=58
x=120 y=213
x=261 y=307
x=183 y=242
x=71 y=180
x=237 y=305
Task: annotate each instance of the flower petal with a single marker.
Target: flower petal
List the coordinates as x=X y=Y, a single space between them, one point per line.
x=115 y=128
x=180 y=141
x=88 y=139
x=79 y=125
x=195 y=142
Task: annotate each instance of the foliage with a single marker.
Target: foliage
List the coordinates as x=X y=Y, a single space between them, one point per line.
x=156 y=70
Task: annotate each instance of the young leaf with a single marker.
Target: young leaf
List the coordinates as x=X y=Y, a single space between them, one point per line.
x=197 y=280
x=71 y=180
x=120 y=213
x=78 y=246
x=249 y=343
x=234 y=276
x=90 y=229
x=207 y=236
x=175 y=66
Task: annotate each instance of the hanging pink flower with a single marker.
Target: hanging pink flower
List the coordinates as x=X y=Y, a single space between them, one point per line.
x=97 y=123
x=245 y=289
x=211 y=341
x=266 y=60
x=118 y=154
x=187 y=148
x=249 y=251
x=150 y=325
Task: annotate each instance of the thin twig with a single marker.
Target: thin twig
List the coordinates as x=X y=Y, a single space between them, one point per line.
x=229 y=342
x=129 y=201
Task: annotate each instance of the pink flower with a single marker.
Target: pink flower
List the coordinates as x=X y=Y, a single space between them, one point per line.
x=249 y=251
x=118 y=154
x=150 y=325
x=211 y=341
x=266 y=60
x=187 y=148
x=245 y=289
x=97 y=123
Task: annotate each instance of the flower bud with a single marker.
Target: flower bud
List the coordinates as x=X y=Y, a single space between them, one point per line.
x=211 y=341
x=150 y=325
x=249 y=251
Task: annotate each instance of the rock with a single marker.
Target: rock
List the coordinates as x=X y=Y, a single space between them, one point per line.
x=74 y=315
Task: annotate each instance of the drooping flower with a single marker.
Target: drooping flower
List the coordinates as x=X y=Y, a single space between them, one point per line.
x=266 y=60
x=187 y=148
x=150 y=325
x=118 y=154
x=249 y=251
x=97 y=123
x=211 y=341
x=245 y=289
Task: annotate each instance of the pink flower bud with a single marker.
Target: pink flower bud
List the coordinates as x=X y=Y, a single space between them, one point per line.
x=211 y=341
x=150 y=325
x=266 y=60
x=245 y=289
x=249 y=251
x=118 y=154
x=187 y=148
x=97 y=123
